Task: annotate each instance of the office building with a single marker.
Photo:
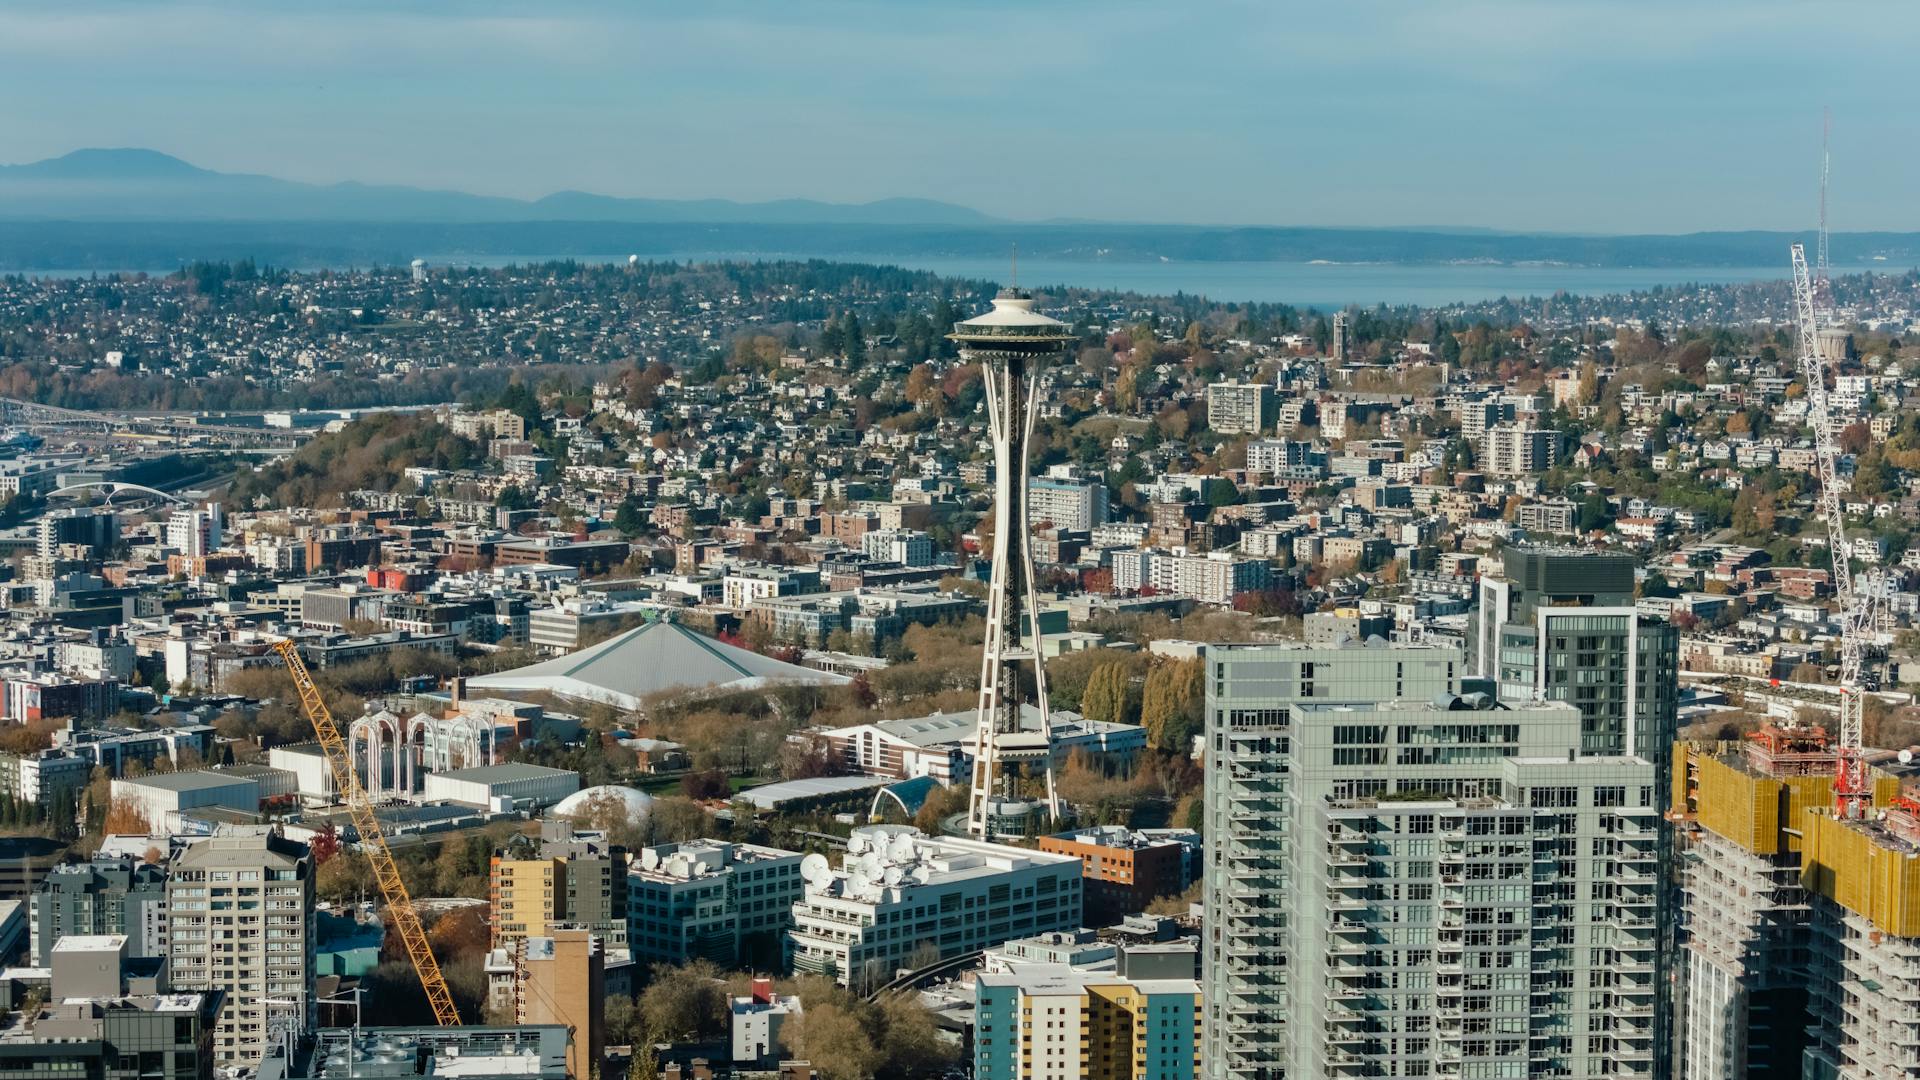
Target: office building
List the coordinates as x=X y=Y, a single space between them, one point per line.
x=240 y=921
x=1516 y=450
x=1239 y=408
x=901 y=894
x=1054 y=1022
x=708 y=899
x=1420 y=884
x=109 y=1016
x=109 y=895
x=568 y=879
x=1560 y=623
x=1123 y=870
x=561 y=979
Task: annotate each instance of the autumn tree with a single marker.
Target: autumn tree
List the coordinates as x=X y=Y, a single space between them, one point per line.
x=1109 y=695
x=126 y=817
x=687 y=1002
x=1171 y=701
x=834 y=1040
x=910 y=1043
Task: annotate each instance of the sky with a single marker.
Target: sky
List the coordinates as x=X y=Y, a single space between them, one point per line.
x=1620 y=116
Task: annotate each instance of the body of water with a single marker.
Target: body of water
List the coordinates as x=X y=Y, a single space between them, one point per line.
x=1319 y=285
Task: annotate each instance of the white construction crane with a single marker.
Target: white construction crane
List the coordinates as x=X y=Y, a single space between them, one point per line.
x=1858 y=600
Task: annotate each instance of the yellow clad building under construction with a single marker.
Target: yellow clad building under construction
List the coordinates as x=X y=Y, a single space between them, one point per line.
x=1802 y=932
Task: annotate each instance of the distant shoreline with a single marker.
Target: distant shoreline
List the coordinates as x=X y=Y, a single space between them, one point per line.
x=1322 y=285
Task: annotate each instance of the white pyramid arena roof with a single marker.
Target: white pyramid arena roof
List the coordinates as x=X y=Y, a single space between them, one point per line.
x=660 y=656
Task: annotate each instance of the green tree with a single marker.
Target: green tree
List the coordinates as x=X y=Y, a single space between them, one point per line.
x=1594 y=513
x=856 y=339
x=630 y=518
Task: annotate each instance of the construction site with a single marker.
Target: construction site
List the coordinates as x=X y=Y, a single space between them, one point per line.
x=1800 y=863
x=1802 y=951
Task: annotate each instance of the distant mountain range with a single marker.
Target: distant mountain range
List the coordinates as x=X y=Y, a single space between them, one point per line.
x=146 y=185
x=141 y=209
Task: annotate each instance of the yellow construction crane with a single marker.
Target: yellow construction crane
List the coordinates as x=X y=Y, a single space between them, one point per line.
x=372 y=840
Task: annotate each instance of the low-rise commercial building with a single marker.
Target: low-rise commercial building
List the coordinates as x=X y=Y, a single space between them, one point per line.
x=513 y=786
x=900 y=894
x=1122 y=871
x=158 y=796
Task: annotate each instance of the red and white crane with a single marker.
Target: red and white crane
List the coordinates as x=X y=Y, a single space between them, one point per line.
x=1859 y=600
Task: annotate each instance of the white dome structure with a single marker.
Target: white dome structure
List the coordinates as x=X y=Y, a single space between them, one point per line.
x=637 y=804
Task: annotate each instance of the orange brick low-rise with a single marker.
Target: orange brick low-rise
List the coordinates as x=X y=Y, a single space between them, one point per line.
x=1122 y=870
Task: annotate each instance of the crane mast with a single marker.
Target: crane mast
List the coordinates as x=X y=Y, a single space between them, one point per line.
x=1852 y=791
x=373 y=840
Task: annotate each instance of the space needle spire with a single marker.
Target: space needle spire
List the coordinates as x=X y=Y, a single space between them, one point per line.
x=1010 y=343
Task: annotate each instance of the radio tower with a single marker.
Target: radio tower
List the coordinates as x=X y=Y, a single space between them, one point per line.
x=1010 y=343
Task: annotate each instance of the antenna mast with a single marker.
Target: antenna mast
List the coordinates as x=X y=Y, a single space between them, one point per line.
x=1822 y=288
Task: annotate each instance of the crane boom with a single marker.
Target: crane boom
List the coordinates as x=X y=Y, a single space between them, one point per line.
x=373 y=840
x=1852 y=791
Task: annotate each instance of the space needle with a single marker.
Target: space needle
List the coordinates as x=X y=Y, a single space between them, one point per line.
x=1010 y=343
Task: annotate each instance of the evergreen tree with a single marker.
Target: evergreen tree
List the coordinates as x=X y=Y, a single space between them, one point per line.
x=856 y=343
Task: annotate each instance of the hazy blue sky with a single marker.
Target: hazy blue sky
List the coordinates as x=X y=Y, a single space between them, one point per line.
x=1605 y=115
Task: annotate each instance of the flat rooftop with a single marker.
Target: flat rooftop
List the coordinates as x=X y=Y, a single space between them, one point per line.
x=506 y=773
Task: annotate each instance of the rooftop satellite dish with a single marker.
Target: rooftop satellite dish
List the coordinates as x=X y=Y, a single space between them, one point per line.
x=894 y=875
x=649 y=859
x=858 y=883
x=857 y=843
x=1906 y=757
x=815 y=869
x=903 y=847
